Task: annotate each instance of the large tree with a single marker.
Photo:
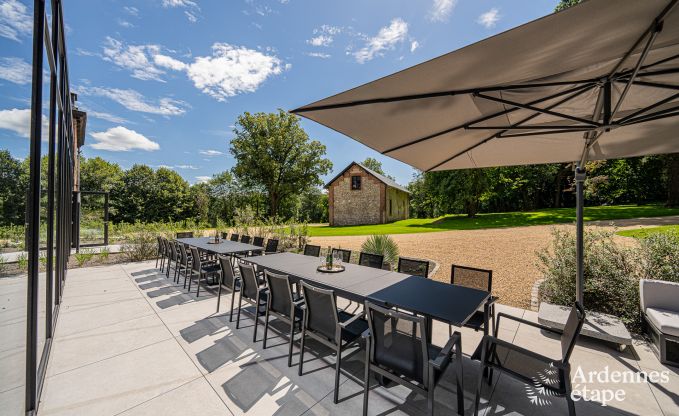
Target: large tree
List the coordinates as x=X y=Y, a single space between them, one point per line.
x=97 y=174
x=13 y=187
x=275 y=154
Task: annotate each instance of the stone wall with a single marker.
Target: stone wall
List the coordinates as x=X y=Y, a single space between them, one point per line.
x=354 y=207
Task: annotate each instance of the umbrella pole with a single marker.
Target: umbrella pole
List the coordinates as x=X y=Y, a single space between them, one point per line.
x=580 y=175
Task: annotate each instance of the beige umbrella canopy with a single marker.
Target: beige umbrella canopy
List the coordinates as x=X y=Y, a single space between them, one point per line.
x=599 y=80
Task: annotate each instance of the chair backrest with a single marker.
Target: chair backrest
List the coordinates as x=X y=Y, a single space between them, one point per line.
x=472 y=277
x=234 y=237
x=571 y=331
x=413 y=267
x=185 y=234
x=321 y=314
x=658 y=294
x=245 y=239
x=183 y=257
x=195 y=262
x=248 y=281
x=228 y=276
x=280 y=292
x=258 y=241
x=173 y=250
x=225 y=235
x=160 y=244
x=346 y=254
x=398 y=342
x=271 y=246
x=311 y=250
x=371 y=260
x=166 y=247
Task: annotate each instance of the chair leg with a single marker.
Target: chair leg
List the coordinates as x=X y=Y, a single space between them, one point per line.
x=240 y=301
x=254 y=332
x=219 y=293
x=366 y=378
x=430 y=393
x=291 y=340
x=190 y=278
x=338 y=364
x=301 y=351
x=233 y=298
x=266 y=326
x=479 y=383
x=200 y=276
x=460 y=377
x=157 y=258
x=565 y=377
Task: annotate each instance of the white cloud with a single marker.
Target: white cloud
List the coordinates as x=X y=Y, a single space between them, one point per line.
x=169 y=62
x=232 y=70
x=414 y=45
x=19 y=122
x=191 y=16
x=133 y=58
x=15 y=21
x=324 y=35
x=125 y=23
x=105 y=116
x=211 y=153
x=386 y=39
x=320 y=40
x=15 y=70
x=203 y=179
x=134 y=101
x=121 y=139
x=319 y=55
x=489 y=18
x=190 y=167
x=179 y=3
x=441 y=9
x=133 y=11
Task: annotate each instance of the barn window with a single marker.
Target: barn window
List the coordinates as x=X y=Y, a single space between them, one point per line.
x=355 y=182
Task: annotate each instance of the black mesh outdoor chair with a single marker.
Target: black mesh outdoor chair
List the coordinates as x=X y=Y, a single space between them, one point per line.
x=284 y=305
x=346 y=254
x=229 y=280
x=414 y=267
x=371 y=260
x=331 y=327
x=245 y=239
x=235 y=237
x=397 y=349
x=271 y=246
x=258 y=241
x=251 y=292
x=539 y=371
x=169 y=246
x=184 y=263
x=202 y=268
x=185 y=234
x=480 y=279
x=160 y=251
x=311 y=250
x=173 y=255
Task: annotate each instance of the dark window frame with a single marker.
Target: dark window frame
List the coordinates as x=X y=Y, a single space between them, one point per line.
x=356 y=182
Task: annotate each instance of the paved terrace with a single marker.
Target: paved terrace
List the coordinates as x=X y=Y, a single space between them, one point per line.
x=129 y=342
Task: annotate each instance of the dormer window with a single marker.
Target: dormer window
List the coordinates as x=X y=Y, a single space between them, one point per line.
x=355 y=183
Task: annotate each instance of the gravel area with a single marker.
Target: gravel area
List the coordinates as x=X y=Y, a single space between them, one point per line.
x=509 y=252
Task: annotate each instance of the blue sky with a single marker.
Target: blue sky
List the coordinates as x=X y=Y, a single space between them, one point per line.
x=164 y=80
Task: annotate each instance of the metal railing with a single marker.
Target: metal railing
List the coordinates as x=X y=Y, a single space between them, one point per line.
x=61 y=139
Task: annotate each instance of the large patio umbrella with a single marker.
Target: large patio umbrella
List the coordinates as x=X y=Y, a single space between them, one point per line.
x=599 y=80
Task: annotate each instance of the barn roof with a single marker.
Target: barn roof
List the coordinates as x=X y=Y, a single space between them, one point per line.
x=385 y=180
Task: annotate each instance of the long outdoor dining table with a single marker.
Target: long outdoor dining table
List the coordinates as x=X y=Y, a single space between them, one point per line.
x=224 y=247
x=435 y=300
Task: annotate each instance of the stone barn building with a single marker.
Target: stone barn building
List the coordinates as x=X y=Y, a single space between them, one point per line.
x=358 y=195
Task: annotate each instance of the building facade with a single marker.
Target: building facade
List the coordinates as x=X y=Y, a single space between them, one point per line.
x=358 y=195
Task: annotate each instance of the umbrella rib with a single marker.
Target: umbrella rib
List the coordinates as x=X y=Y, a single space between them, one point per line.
x=653 y=116
x=488 y=117
x=536 y=127
x=653 y=84
x=542 y=133
x=623 y=120
x=439 y=94
x=537 y=109
x=518 y=123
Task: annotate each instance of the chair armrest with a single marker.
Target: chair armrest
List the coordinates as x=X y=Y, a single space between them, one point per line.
x=366 y=334
x=352 y=320
x=443 y=358
x=524 y=321
x=489 y=340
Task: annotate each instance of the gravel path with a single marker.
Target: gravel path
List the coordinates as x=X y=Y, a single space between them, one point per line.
x=509 y=252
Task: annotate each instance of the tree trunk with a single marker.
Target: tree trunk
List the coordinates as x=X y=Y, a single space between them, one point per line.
x=273 y=202
x=558 y=184
x=672 y=162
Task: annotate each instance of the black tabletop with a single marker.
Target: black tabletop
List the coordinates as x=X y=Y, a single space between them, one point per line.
x=441 y=301
x=224 y=246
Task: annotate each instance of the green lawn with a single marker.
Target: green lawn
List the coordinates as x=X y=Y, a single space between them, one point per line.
x=496 y=220
x=645 y=232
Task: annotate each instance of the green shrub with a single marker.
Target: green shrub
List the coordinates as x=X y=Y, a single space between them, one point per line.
x=3 y=265
x=383 y=245
x=141 y=246
x=104 y=253
x=22 y=262
x=83 y=256
x=660 y=256
x=611 y=274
